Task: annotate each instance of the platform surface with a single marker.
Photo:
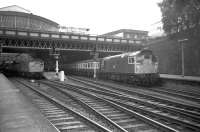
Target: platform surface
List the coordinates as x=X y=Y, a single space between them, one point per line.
x=52 y=76
x=180 y=77
x=17 y=113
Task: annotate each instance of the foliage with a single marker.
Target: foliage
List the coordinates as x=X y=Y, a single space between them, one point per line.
x=182 y=16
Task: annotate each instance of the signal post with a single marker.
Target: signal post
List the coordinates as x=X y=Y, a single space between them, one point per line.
x=95 y=55
x=55 y=53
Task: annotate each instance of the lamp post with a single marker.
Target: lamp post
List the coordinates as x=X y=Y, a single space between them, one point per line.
x=181 y=41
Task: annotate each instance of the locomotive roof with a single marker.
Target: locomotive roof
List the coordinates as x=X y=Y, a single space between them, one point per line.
x=122 y=55
x=90 y=60
x=127 y=54
x=115 y=56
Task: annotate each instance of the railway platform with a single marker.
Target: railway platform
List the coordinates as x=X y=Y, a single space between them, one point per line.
x=52 y=76
x=180 y=77
x=17 y=113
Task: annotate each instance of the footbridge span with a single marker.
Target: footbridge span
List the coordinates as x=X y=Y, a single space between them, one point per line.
x=20 y=38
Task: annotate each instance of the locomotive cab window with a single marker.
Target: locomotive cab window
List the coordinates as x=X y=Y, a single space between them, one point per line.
x=147 y=56
x=131 y=60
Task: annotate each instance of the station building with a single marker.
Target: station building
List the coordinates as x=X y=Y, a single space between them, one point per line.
x=17 y=17
x=128 y=34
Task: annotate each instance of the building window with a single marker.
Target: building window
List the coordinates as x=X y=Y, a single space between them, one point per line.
x=136 y=36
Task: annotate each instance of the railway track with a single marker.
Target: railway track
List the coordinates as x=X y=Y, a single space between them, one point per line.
x=184 y=117
x=184 y=91
x=179 y=93
x=146 y=93
x=59 y=114
x=127 y=119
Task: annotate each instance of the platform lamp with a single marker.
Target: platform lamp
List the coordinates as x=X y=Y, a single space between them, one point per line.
x=55 y=53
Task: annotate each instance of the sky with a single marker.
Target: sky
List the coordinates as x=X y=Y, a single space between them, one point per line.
x=100 y=16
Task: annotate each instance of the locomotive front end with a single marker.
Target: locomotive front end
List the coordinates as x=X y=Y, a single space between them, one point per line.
x=146 y=67
x=146 y=63
x=35 y=68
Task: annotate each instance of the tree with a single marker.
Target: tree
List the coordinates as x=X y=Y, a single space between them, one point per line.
x=181 y=16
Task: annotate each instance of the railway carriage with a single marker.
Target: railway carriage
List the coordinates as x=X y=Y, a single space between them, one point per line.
x=140 y=67
x=87 y=68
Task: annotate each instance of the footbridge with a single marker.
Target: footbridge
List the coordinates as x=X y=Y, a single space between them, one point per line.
x=36 y=39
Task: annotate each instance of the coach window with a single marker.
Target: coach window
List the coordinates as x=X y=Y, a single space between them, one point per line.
x=86 y=65
x=131 y=60
x=83 y=65
x=92 y=65
x=89 y=65
x=97 y=66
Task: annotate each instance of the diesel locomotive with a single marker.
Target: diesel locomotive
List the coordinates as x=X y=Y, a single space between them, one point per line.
x=140 y=67
x=26 y=66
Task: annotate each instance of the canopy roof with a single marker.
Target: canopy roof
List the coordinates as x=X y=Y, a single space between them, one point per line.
x=15 y=8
